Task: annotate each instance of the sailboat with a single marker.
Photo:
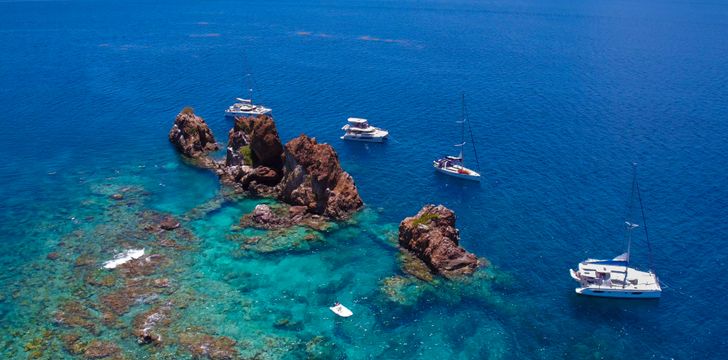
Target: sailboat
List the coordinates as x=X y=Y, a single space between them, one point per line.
x=615 y=278
x=245 y=107
x=455 y=165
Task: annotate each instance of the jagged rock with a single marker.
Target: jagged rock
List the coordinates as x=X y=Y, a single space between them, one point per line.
x=432 y=237
x=305 y=173
x=191 y=135
x=313 y=178
x=256 y=140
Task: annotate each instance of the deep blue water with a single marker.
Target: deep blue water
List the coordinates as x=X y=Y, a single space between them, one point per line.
x=563 y=97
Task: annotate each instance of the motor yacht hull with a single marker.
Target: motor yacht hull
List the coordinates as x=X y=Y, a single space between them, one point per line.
x=473 y=176
x=378 y=136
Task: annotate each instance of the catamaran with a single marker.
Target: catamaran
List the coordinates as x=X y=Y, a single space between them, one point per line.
x=615 y=278
x=245 y=107
x=455 y=165
x=360 y=130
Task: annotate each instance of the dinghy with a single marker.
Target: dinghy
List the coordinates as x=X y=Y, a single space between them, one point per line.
x=341 y=310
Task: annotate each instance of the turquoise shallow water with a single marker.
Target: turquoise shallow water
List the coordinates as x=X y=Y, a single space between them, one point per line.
x=563 y=97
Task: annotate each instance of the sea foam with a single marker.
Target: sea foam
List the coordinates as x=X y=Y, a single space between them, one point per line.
x=123 y=257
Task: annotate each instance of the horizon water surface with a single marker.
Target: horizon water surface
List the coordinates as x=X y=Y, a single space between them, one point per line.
x=562 y=98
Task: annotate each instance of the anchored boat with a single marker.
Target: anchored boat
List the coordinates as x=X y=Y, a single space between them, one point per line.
x=615 y=278
x=455 y=165
x=245 y=107
x=359 y=129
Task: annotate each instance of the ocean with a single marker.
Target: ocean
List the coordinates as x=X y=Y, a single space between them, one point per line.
x=562 y=96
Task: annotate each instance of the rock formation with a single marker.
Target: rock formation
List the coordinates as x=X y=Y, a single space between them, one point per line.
x=313 y=178
x=304 y=173
x=254 y=158
x=432 y=237
x=191 y=135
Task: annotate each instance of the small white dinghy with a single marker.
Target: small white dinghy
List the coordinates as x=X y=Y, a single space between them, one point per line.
x=341 y=310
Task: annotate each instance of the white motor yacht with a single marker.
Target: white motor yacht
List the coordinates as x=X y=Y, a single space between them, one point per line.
x=615 y=278
x=359 y=129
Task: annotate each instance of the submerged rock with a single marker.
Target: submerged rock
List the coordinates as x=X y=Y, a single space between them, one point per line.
x=263 y=217
x=147 y=325
x=207 y=346
x=431 y=236
x=191 y=135
x=169 y=223
x=313 y=178
x=98 y=349
x=74 y=314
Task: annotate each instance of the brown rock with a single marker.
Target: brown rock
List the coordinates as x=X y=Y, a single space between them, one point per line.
x=148 y=325
x=85 y=260
x=72 y=344
x=145 y=265
x=263 y=217
x=214 y=348
x=313 y=178
x=262 y=137
x=169 y=223
x=53 y=256
x=191 y=136
x=74 y=314
x=98 y=349
x=135 y=291
x=432 y=237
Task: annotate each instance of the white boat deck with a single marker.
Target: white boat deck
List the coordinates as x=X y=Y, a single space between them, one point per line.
x=360 y=130
x=613 y=278
x=245 y=107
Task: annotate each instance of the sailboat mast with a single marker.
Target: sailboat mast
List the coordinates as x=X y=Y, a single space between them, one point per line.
x=462 y=126
x=470 y=129
x=630 y=225
x=644 y=222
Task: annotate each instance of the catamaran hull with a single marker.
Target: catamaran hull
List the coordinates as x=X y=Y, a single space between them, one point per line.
x=457 y=174
x=618 y=293
x=230 y=114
